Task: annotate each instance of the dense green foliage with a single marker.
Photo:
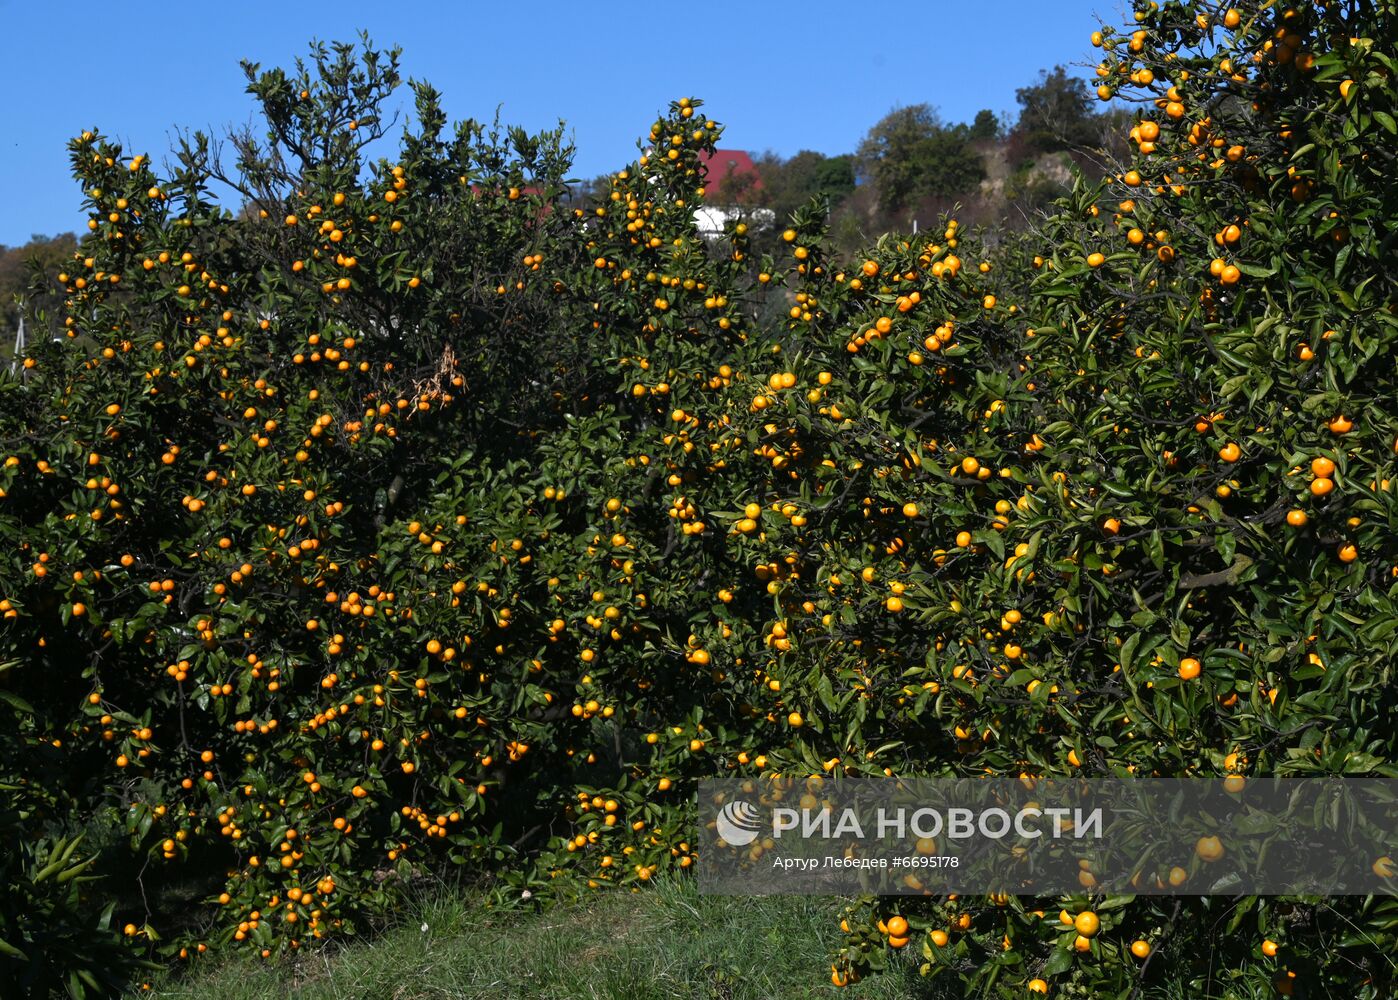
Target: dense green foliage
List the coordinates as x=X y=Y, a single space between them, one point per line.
x=411 y=518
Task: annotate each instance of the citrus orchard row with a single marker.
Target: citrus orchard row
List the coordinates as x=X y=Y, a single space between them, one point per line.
x=415 y=515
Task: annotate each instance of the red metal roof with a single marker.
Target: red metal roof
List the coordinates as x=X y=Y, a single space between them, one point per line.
x=726 y=163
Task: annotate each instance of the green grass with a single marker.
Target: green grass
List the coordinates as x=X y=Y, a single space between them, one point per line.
x=665 y=943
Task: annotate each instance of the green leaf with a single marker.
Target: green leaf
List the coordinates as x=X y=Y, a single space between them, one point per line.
x=1059 y=962
x=15 y=700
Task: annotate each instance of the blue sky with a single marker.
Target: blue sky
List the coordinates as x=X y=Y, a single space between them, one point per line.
x=780 y=76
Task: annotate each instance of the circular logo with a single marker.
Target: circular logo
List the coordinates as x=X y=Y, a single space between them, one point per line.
x=738 y=823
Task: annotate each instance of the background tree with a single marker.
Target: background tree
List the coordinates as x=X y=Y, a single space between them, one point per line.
x=834 y=177
x=28 y=275
x=910 y=155
x=985 y=126
x=1055 y=113
x=789 y=184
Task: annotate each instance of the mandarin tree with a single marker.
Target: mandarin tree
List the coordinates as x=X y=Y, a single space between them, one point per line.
x=208 y=487
x=1202 y=574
